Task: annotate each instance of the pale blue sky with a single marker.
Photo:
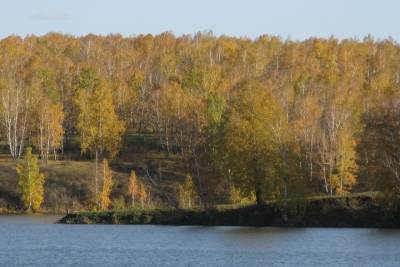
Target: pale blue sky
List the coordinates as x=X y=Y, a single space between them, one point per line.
x=297 y=19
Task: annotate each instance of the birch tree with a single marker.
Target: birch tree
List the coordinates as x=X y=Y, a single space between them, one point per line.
x=187 y=193
x=14 y=95
x=30 y=181
x=99 y=127
x=50 y=133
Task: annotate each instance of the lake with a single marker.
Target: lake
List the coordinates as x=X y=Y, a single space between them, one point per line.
x=35 y=241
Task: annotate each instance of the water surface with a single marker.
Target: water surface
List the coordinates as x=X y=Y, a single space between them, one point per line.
x=35 y=241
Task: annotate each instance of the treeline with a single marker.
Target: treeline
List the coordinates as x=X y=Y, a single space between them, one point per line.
x=253 y=119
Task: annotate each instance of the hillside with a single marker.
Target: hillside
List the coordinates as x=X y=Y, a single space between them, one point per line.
x=245 y=119
x=69 y=181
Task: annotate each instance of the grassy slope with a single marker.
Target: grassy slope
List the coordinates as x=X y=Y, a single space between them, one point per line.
x=70 y=181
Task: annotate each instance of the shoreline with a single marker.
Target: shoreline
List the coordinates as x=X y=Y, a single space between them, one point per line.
x=355 y=211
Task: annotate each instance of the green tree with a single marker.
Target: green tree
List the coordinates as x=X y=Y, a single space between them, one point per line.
x=30 y=181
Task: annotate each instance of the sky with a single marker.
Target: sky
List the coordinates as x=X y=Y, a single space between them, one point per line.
x=294 y=19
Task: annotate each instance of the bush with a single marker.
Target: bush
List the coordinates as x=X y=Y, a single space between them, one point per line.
x=119 y=203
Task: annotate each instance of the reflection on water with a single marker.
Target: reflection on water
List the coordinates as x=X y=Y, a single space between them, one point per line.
x=32 y=240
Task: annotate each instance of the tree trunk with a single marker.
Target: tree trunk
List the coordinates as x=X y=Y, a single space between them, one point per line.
x=311 y=155
x=258 y=189
x=259 y=196
x=41 y=142
x=30 y=187
x=96 y=177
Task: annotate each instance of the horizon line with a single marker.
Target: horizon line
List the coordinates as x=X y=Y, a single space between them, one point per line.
x=204 y=33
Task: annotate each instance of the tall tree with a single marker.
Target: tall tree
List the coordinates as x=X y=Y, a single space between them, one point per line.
x=14 y=94
x=51 y=132
x=249 y=143
x=97 y=122
x=379 y=150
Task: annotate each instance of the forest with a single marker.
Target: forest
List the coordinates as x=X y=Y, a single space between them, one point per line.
x=242 y=120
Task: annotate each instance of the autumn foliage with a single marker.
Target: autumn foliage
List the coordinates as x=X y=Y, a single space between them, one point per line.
x=104 y=195
x=187 y=193
x=30 y=181
x=266 y=118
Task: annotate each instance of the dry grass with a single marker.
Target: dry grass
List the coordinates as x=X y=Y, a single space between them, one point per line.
x=70 y=184
x=70 y=181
